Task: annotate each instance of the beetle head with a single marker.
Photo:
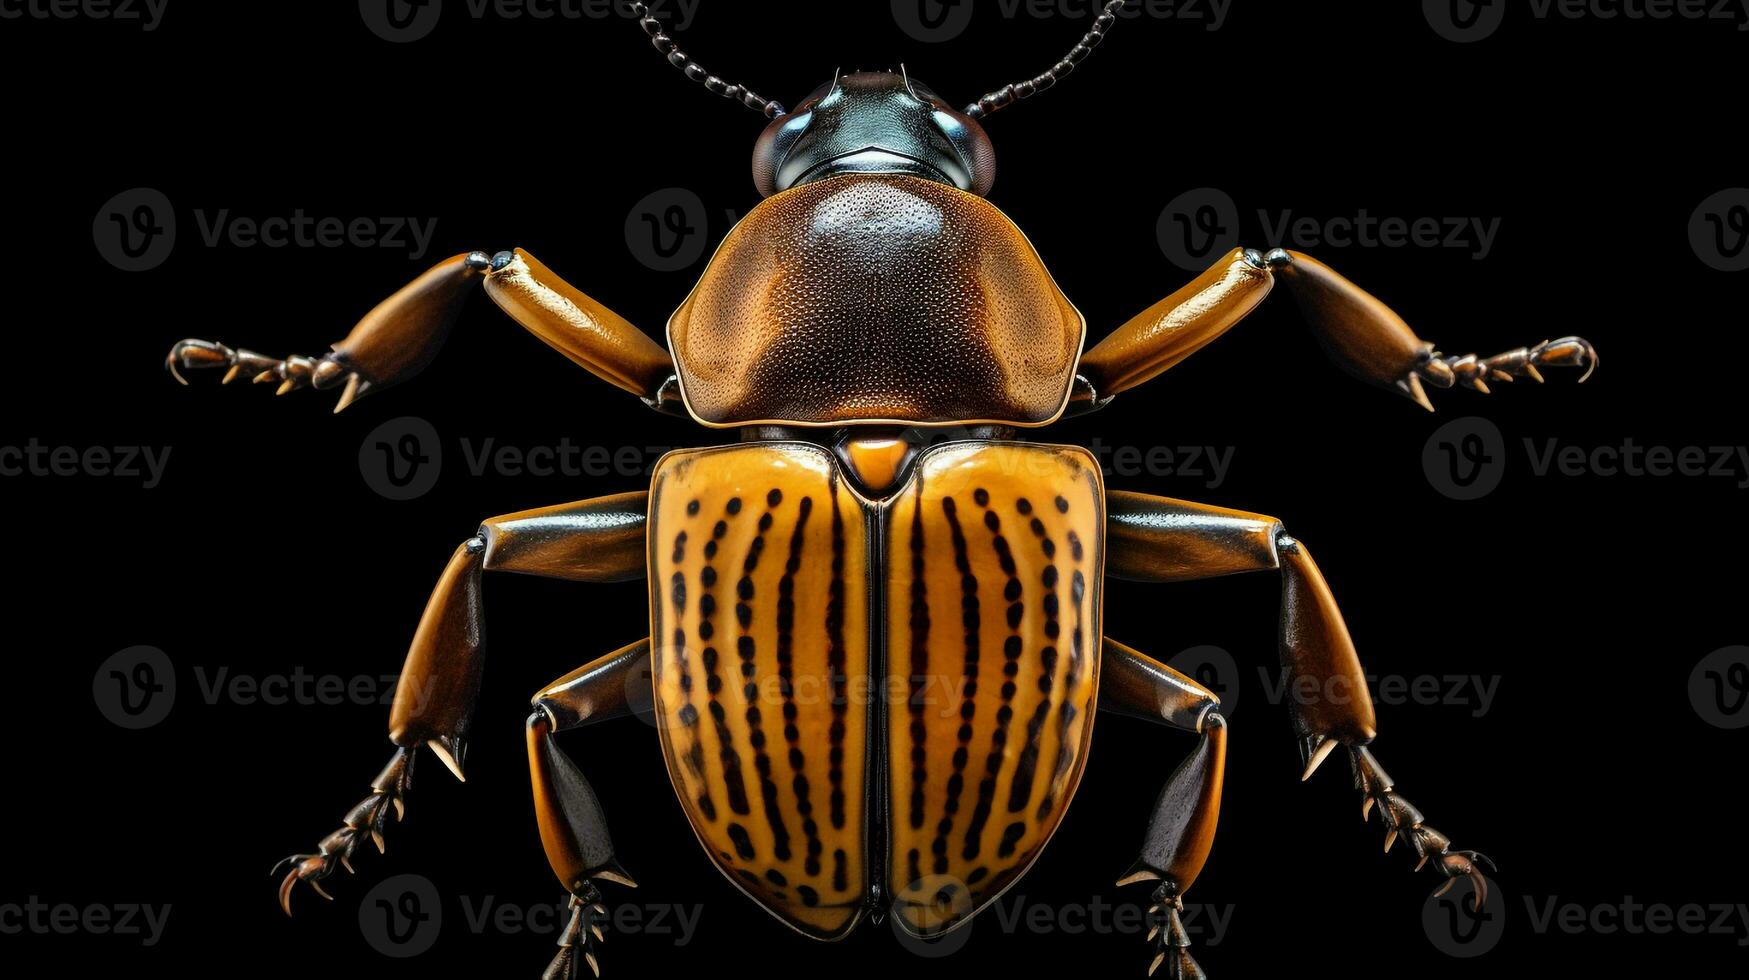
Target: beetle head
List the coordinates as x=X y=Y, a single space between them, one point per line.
x=874 y=122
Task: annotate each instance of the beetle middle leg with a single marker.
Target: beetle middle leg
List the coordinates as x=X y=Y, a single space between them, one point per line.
x=573 y=829
x=1156 y=539
x=1182 y=830
x=597 y=540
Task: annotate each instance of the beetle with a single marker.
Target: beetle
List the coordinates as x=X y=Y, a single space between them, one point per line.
x=874 y=659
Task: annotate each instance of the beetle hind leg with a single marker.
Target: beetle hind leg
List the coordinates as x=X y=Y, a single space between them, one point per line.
x=368 y=818
x=573 y=828
x=1402 y=819
x=1171 y=941
x=581 y=937
x=1182 y=830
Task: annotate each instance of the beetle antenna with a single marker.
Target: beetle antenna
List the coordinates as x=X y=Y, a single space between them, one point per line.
x=768 y=108
x=1008 y=94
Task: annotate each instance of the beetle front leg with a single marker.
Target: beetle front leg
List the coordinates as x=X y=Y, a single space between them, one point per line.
x=1182 y=831
x=1155 y=539
x=399 y=337
x=573 y=829
x=598 y=540
x=1362 y=335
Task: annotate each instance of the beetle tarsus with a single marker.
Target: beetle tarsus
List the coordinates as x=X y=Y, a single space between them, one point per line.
x=368 y=818
x=583 y=933
x=1402 y=819
x=1171 y=941
x=1474 y=373
x=289 y=373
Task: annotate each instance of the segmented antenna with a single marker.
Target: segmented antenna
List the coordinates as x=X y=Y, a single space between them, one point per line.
x=696 y=72
x=1008 y=94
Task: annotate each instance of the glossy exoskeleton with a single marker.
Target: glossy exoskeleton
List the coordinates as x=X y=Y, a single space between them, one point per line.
x=876 y=658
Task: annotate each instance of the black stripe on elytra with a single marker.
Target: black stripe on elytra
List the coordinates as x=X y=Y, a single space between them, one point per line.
x=919 y=663
x=687 y=714
x=1026 y=767
x=1011 y=650
x=792 y=733
x=970 y=618
x=1066 y=712
x=733 y=782
x=744 y=646
x=840 y=870
x=835 y=661
x=743 y=843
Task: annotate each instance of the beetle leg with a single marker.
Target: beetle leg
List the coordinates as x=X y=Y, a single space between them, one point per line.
x=598 y=540
x=1155 y=539
x=1362 y=335
x=401 y=335
x=369 y=817
x=1402 y=819
x=573 y=829
x=1474 y=372
x=393 y=342
x=1182 y=830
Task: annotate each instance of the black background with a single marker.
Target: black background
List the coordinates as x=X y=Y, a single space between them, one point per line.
x=1589 y=599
